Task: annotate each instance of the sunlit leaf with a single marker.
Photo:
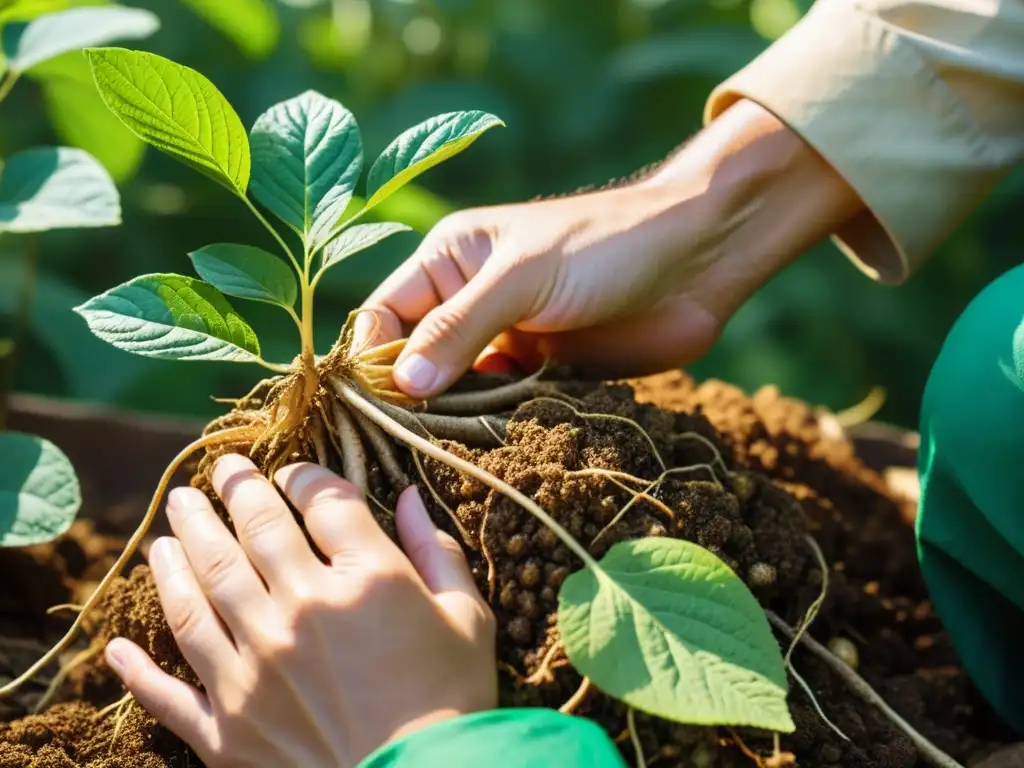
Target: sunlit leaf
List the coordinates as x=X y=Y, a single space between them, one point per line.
x=358 y=238
x=422 y=147
x=81 y=119
x=39 y=492
x=175 y=109
x=27 y=44
x=669 y=629
x=56 y=188
x=246 y=272
x=252 y=25
x=171 y=317
x=307 y=156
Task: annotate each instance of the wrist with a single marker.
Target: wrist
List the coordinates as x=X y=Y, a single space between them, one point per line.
x=766 y=196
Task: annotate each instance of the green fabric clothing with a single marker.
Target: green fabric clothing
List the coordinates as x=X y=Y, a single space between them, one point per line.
x=970 y=525
x=503 y=738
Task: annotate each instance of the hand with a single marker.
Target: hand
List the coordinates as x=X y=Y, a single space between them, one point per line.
x=306 y=663
x=635 y=279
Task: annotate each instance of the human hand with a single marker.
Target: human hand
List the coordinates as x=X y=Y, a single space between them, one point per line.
x=306 y=663
x=635 y=279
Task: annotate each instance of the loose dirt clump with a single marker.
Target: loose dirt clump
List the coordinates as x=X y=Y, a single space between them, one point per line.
x=763 y=476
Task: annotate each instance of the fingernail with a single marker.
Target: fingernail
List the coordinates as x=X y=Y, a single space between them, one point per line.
x=177 y=501
x=118 y=657
x=418 y=373
x=164 y=554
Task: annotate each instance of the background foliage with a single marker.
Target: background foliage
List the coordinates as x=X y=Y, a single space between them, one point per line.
x=590 y=91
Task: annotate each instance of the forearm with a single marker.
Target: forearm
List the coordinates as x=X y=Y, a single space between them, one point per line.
x=765 y=193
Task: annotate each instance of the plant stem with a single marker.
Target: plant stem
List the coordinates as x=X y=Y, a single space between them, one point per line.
x=306 y=324
x=274 y=232
x=410 y=438
x=8 y=84
x=22 y=322
x=928 y=751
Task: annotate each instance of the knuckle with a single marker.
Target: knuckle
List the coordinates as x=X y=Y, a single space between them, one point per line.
x=218 y=567
x=185 y=618
x=262 y=523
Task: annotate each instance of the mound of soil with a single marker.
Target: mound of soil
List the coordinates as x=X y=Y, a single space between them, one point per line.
x=789 y=477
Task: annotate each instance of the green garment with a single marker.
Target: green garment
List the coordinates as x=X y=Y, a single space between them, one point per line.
x=970 y=525
x=503 y=738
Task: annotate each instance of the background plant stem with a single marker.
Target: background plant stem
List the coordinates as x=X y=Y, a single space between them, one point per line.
x=9 y=361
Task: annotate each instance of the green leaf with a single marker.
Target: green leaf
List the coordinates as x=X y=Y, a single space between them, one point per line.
x=359 y=238
x=307 y=157
x=247 y=273
x=171 y=317
x=56 y=188
x=252 y=25
x=34 y=42
x=24 y=10
x=81 y=119
x=422 y=147
x=175 y=109
x=669 y=629
x=39 y=492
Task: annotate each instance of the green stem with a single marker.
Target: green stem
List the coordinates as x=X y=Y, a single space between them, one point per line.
x=22 y=322
x=306 y=323
x=8 y=84
x=424 y=446
x=274 y=232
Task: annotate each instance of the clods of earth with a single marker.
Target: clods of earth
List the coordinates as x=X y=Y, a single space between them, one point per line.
x=787 y=478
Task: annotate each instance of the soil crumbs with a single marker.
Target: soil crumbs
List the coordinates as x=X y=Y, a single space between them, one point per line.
x=787 y=479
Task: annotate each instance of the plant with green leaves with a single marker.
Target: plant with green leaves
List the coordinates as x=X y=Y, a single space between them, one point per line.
x=48 y=188
x=661 y=624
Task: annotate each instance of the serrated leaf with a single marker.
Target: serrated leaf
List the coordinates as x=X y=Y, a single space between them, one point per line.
x=171 y=317
x=56 y=188
x=252 y=25
x=422 y=147
x=28 y=44
x=307 y=157
x=358 y=238
x=39 y=492
x=81 y=119
x=669 y=629
x=246 y=272
x=175 y=109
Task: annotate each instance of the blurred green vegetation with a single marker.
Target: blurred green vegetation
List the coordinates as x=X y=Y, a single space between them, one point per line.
x=590 y=91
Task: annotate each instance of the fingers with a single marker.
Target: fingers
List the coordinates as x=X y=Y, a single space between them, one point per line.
x=452 y=335
x=440 y=561
x=265 y=526
x=333 y=509
x=203 y=639
x=176 y=704
x=449 y=256
x=220 y=566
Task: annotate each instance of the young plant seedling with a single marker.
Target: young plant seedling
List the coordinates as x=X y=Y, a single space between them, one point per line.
x=43 y=189
x=661 y=624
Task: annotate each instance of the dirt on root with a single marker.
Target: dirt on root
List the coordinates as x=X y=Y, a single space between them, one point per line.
x=785 y=477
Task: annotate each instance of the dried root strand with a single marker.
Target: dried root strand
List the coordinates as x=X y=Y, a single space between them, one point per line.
x=466 y=538
x=385 y=452
x=58 y=680
x=236 y=435
x=492 y=400
x=634 y=737
x=485 y=431
x=577 y=698
x=353 y=457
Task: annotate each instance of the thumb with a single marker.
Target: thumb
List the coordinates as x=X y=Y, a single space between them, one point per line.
x=451 y=336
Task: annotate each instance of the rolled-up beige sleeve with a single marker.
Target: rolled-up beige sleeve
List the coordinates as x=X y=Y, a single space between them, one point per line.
x=918 y=104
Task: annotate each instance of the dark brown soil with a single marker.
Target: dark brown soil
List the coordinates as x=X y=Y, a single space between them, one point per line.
x=877 y=599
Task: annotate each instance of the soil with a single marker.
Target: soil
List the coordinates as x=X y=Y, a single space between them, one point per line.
x=789 y=476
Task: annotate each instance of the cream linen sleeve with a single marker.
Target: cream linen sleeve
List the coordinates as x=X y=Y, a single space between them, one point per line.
x=918 y=104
